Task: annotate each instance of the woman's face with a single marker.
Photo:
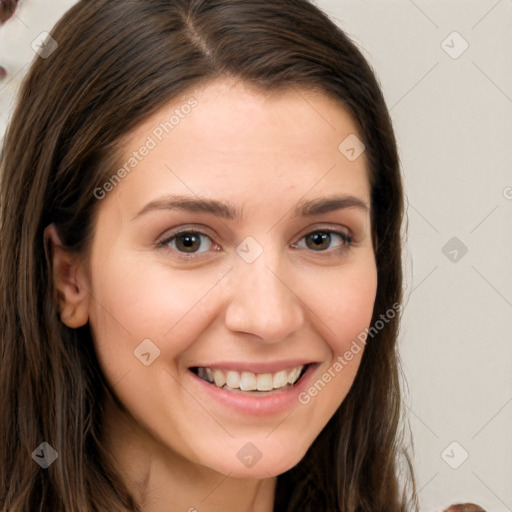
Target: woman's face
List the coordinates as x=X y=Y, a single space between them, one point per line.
x=236 y=248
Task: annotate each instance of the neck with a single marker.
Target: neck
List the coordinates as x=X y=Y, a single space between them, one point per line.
x=162 y=481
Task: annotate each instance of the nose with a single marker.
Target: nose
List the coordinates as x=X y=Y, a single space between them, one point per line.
x=263 y=302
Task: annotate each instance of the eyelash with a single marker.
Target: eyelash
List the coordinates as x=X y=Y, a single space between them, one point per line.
x=345 y=245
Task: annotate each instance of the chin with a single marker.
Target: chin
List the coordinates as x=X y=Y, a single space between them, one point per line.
x=261 y=463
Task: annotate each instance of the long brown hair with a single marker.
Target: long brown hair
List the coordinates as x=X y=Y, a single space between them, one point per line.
x=118 y=61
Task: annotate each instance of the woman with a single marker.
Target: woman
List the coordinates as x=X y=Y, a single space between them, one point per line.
x=201 y=276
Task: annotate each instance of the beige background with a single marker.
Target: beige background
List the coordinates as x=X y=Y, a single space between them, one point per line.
x=453 y=118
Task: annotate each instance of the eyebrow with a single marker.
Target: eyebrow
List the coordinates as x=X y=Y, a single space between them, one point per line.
x=227 y=211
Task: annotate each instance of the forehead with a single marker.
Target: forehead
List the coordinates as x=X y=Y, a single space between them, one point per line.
x=231 y=138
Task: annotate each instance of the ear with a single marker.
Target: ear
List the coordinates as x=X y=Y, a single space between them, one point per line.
x=69 y=281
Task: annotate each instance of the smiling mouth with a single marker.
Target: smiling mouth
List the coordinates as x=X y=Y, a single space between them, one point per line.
x=249 y=382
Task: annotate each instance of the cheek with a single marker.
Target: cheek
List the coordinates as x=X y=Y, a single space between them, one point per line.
x=134 y=301
x=346 y=304
x=344 y=311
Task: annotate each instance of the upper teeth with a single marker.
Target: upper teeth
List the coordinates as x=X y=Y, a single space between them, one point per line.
x=248 y=381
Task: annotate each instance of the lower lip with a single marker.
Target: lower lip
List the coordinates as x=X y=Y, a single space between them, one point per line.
x=255 y=405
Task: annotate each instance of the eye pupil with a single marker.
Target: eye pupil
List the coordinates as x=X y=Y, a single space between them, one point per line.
x=320 y=240
x=188 y=241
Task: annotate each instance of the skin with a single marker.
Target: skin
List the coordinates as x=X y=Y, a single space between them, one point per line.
x=262 y=154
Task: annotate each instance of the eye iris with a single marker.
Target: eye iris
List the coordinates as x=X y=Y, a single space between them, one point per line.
x=320 y=240
x=188 y=242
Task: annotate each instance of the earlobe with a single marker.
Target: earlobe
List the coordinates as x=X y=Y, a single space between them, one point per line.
x=72 y=296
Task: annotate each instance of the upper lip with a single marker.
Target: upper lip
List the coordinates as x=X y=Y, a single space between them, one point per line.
x=254 y=367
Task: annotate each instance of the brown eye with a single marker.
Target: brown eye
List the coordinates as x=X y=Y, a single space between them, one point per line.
x=318 y=241
x=322 y=240
x=188 y=242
